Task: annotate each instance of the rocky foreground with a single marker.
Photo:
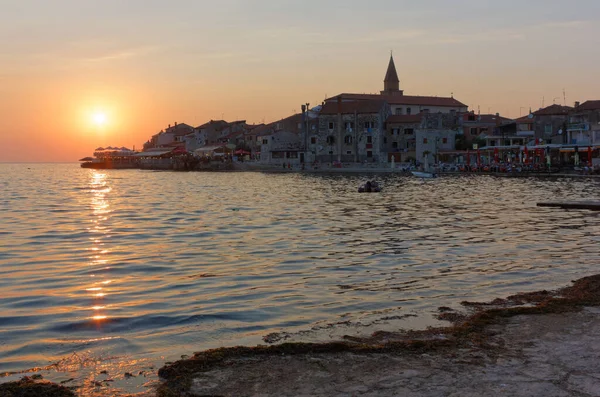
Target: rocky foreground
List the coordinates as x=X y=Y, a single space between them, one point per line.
x=534 y=344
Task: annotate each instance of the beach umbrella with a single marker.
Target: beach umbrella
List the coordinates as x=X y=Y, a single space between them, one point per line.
x=468 y=160
x=576 y=158
x=478 y=158
x=590 y=156
x=496 y=155
x=525 y=155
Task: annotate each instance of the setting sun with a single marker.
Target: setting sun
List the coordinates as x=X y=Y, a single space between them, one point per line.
x=99 y=119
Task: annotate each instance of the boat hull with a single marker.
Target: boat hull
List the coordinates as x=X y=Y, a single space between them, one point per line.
x=421 y=174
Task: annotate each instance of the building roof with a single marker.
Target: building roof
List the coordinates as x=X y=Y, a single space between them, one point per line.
x=218 y=124
x=405 y=118
x=401 y=99
x=361 y=107
x=588 y=105
x=179 y=129
x=525 y=120
x=553 y=110
x=489 y=119
x=391 y=75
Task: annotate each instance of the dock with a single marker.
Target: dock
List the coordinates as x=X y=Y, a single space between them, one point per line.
x=580 y=205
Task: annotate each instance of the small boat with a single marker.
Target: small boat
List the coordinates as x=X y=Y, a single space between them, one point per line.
x=369 y=187
x=423 y=174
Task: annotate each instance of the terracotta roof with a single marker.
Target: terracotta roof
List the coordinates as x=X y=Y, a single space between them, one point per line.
x=553 y=110
x=402 y=99
x=524 y=120
x=361 y=107
x=588 y=105
x=405 y=118
x=179 y=129
x=489 y=119
x=218 y=123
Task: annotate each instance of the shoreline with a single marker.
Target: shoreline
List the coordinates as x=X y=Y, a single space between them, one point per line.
x=499 y=340
x=481 y=339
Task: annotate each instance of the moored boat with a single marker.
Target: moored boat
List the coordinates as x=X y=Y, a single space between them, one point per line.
x=423 y=174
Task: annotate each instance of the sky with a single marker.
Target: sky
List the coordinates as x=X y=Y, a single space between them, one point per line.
x=78 y=74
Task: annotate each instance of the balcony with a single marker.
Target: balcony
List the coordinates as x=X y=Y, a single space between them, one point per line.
x=578 y=127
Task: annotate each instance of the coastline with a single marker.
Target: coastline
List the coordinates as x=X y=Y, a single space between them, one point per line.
x=536 y=343
x=533 y=343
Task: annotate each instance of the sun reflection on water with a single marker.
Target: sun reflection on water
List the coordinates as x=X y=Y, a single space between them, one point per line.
x=101 y=210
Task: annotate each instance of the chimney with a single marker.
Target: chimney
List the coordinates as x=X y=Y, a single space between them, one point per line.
x=169 y=126
x=176 y=124
x=497 y=114
x=577 y=104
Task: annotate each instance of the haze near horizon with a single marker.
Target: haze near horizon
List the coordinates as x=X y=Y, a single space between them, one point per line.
x=75 y=75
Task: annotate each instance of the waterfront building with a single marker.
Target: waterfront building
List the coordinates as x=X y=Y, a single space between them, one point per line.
x=391 y=136
x=584 y=124
x=401 y=141
x=351 y=131
x=174 y=134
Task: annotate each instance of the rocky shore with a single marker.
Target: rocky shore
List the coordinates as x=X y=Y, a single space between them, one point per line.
x=534 y=344
x=543 y=343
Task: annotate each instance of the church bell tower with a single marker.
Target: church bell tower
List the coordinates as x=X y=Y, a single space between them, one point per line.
x=391 y=83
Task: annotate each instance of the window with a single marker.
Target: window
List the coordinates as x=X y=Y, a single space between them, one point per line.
x=473 y=131
x=548 y=129
x=349 y=126
x=395 y=145
x=331 y=152
x=369 y=124
x=398 y=111
x=408 y=110
x=299 y=126
x=330 y=140
x=313 y=140
x=369 y=139
x=385 y=139
x=409 y=131
x=369 y=154
x=348 y=139
x=444 y=140
x=424 y=140
x=265 y=141
x=331 y=125
x=349 y=152
x=313 y=127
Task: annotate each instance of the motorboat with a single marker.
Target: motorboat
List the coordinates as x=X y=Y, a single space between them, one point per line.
x=369 y=187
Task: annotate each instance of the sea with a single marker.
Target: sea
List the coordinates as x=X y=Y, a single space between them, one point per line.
x=106 y=275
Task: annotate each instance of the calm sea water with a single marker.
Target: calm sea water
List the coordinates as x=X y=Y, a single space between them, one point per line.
x=139 y=267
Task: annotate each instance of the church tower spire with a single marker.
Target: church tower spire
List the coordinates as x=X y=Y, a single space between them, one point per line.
x=391 y=83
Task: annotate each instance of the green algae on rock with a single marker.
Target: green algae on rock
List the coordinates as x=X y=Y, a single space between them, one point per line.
x=28 y=387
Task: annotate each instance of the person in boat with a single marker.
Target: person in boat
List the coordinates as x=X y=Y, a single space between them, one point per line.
x=368 y=186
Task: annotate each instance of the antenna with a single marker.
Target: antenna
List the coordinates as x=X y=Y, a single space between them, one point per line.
x=564 y=97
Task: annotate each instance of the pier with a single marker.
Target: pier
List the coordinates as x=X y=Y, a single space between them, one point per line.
x=580 y=205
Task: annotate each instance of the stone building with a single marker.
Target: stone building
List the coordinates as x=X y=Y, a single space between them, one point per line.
x=351 y=131
x=401 y=141
x=392 y=119
x=550 y=123
x=584 y=124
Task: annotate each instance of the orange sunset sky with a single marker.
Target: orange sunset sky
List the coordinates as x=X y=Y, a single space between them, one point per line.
x=144 y=64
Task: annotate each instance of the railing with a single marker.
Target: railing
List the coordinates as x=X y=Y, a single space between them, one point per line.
x=578 y=127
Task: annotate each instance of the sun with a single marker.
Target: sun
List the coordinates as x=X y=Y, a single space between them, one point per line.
x=99 y=119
